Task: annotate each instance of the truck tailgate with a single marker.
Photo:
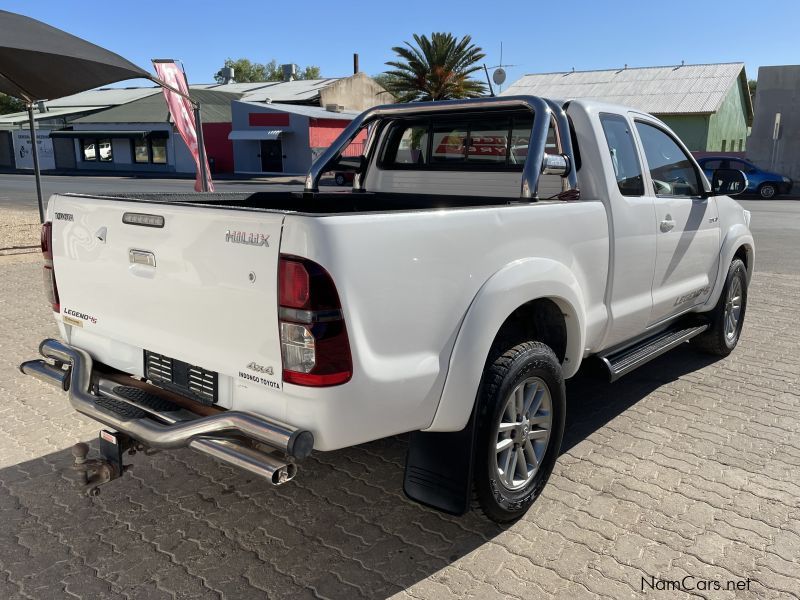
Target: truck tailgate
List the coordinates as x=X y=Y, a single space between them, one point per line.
x=201 y=289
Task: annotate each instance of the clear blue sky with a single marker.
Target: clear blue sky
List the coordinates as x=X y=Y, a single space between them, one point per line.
x=591 y=34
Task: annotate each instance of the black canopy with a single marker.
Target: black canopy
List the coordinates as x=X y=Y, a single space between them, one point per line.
x=40 y=62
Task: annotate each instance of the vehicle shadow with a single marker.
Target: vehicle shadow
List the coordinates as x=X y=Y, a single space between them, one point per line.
x=592 y=401
x=343 y=529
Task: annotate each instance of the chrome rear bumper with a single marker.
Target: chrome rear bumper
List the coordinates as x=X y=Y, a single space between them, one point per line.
x=239 y=438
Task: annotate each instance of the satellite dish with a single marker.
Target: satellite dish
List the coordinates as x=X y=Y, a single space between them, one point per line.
x=499 y=76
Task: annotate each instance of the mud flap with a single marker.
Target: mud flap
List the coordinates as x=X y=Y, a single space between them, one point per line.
x=439 y=469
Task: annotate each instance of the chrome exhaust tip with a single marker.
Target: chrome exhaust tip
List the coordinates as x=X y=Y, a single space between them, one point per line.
x=249 y=441
x=267 y=466
x=44 y=371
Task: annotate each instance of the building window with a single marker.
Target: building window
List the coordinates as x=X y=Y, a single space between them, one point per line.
x=740 y=144
x=146 y=151
x=141 y=151
x=94 y=150
x=158 y=149
x=88 y=150
x=105 y=150
x=723 y=145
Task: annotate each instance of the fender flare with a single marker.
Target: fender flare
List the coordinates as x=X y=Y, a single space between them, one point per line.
x=738 y=235
x=514 y=285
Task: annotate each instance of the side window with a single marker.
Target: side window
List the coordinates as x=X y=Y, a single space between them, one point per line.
x=627 y=169
x=407 y=145
x=741 y=166
x=671 y=169
x=712 y=165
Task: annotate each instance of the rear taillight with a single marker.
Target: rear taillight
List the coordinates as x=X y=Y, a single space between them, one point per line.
x=48 y=272
x=314 y=344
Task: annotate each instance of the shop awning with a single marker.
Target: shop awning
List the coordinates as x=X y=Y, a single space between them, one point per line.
x=257 y=134
x=123 y=133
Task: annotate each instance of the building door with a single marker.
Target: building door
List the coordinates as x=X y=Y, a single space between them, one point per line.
x=6 y=150
x=64 y=151
x=271 y=156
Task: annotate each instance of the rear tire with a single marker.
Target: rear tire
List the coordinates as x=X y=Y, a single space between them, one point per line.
x=727 y=318
x=767 y=191
x=340 y=180
x=520 y=420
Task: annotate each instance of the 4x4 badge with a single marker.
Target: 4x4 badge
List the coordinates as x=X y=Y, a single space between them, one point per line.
x=259 y=369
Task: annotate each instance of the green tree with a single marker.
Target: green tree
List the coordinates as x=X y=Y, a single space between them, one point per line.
x=438 y=68
x=752 y=84
x=246 y=71
x=9 y=104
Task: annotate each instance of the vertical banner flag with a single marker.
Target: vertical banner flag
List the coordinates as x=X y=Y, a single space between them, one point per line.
x=183 y=115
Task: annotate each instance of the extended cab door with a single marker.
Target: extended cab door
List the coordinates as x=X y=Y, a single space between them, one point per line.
x=687 y=228
x=633 y=239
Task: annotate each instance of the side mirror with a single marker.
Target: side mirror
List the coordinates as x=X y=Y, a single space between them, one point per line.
x=353 y=164
x=729 y=182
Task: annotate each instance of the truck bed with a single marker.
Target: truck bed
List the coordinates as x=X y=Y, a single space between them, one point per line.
x=323 y=203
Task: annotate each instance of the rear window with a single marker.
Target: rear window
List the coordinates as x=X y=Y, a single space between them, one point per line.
x=488 y=142
x=449 y=142
x=408 y=144
x=480 y=143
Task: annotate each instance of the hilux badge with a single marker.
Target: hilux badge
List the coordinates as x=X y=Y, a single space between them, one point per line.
x=243 y=237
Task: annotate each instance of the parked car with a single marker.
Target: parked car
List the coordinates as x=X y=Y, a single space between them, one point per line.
x=343 y=177
x=764 y=183
x=448 y=295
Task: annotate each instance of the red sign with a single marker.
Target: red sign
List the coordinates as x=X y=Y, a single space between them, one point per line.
x=183 y=115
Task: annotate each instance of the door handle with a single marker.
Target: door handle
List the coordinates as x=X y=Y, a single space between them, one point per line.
x=667 y=224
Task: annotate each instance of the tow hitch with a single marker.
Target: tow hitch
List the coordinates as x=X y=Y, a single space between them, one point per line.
x=94 y=472
x=144 y=419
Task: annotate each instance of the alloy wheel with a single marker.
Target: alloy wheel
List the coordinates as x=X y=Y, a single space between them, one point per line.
x=523 y=433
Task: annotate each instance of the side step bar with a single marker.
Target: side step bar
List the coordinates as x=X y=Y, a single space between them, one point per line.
x=624 y=361
x=234 y=437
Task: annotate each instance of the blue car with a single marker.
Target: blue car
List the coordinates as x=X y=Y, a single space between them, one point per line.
x=767 y=185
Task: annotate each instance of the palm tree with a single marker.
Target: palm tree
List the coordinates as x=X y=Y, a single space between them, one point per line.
x=438 y=68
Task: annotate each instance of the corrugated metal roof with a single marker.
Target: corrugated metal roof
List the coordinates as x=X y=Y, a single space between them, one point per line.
x=215 y=106
x=682 y=89
x=238 y=88
x=104 y=97
x=315 y=112
x=301 y=90
x=20 y=118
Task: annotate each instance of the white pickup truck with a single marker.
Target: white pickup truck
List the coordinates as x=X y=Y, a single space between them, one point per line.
x=488 y=247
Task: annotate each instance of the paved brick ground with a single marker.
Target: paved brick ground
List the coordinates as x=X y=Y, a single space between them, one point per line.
x=688 y=467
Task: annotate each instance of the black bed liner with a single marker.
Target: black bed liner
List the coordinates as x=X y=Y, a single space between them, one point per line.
x=320 y=203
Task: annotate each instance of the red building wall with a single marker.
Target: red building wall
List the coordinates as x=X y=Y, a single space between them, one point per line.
x=322 y=132
x=218 y=146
